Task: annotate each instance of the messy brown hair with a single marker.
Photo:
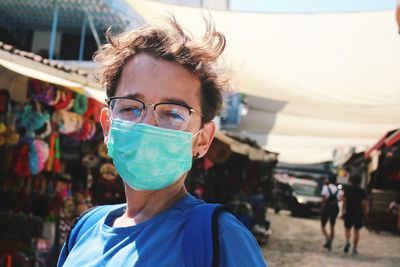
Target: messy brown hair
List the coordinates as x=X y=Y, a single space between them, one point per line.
x=170 y=43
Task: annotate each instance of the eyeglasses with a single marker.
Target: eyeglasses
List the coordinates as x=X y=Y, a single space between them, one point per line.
x=167 y=115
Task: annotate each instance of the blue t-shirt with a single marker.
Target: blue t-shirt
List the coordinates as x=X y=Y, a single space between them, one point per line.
x=159 y=241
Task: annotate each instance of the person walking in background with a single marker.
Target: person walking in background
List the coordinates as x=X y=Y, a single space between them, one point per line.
x=394 y=208
x=355 y=209
x=259 y=207
x=329 y=209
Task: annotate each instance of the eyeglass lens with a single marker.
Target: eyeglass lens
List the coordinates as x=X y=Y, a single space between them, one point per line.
x=169 y=116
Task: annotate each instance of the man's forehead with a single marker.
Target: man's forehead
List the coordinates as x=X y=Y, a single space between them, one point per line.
x=148 y=78
x=142 y=58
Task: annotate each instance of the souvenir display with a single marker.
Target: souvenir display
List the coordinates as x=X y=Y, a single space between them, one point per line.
x=19 y=89
x=2 y=127
x=89 y=161
x=11 y=136
x=67 y=122
x=102 y=150
x=4 y=99
x=2 y=131
x=65 y=101
x=93 y=110
x=108 y=172
x=31 y=119
x=40 y=151
x=53 y=162
x=80 y=104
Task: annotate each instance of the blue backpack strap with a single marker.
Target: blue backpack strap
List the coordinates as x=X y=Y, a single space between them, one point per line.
x=200 y=236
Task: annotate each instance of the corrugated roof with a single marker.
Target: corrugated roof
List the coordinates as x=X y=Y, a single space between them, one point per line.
x=52 y=71
x=35 y=57
x=38 y=14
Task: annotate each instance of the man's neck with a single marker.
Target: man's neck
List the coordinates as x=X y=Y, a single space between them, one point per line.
x=144 y=205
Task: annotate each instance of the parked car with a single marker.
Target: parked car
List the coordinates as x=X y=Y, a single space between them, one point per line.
x=301 y=196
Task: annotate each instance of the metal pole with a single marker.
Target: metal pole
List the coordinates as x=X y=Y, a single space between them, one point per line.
x=53 y=31
x=93 y=29
x=83 y=36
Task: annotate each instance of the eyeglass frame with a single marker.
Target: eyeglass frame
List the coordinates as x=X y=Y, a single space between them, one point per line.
x=189 y=108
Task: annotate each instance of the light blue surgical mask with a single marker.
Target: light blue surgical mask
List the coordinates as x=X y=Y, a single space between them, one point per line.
x=149 y=157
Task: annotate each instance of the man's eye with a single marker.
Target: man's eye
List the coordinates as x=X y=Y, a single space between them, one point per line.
x=132 y=111
x=175 y=116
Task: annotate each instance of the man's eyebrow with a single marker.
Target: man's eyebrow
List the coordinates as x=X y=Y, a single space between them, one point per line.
x=175 y=101
x=136 y=96
x=164 y=100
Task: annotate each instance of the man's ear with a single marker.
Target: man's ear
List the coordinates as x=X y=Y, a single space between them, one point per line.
x=204 y=139
x=105 y=122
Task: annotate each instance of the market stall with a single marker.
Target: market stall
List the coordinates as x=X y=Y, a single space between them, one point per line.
x=384 y=167
x=238 y=173
x=54 y=163
x=384 y=180
x=232 y=165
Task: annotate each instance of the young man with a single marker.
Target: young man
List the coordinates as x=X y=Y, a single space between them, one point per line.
x=163 y=91
x=355 y=209
x=329 y=209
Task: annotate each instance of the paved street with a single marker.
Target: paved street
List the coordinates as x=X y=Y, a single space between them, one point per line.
x=298 y=242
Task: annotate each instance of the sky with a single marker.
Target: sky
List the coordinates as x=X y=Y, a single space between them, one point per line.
x=311 y=6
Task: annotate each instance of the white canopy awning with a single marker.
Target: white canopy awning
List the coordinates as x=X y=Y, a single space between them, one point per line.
x=242 y=148
x=316 y=81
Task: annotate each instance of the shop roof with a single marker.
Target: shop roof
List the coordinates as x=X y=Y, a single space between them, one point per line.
x=246 y=147
x=355 y=158
x=39 y=59
x=388 y=140
x=393 y=138
x=34 y=66
x=38 y=14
